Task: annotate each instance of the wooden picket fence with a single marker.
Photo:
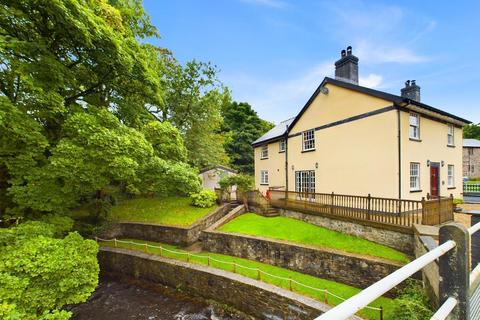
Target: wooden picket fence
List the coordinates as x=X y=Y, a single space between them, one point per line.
x=390 y=211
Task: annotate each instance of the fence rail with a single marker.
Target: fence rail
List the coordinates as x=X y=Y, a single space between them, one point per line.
x=235 y=267
x=399 y=212
x=456 y=294
x=471 y=188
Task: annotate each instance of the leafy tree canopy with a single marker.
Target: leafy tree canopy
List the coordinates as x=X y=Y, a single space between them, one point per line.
x=243 y=125
x=193 y=100
x=75 y=87
x=472 y=131
x=34 y=261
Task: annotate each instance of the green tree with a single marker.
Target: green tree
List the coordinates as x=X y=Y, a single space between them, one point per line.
x=40 y=273
x=166 y=140
x=67 y=67
x=244 y=126
x=472 y=131
x=194 y=99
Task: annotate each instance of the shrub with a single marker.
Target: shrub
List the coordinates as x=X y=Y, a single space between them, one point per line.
x=204 y=199
x=412 y=303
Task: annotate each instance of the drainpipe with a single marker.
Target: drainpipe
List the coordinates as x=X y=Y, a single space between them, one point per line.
x=399 y=144
x=286 y=159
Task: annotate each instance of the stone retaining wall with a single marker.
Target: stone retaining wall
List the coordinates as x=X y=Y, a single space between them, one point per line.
x=430 y=273
x=182 y=236
x=399 y=240
x=352 y=269
x=255 y=298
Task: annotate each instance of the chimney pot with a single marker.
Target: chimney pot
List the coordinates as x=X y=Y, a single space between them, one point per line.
x=411 y=90
x=346 y=68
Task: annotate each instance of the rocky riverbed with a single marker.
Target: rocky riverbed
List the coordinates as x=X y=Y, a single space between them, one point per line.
x=118 y=299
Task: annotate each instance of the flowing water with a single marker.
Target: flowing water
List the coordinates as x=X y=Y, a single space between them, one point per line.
x=118 y=299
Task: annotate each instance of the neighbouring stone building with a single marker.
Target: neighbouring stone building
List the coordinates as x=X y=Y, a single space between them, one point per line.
x=471 y=158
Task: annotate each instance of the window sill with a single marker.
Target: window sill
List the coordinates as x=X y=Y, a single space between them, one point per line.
x=415 y=191
x=415 y=139
x=281 y=151
x=264 y=158
x=451 y=188
x=450 y=145
x=309 y=150
x=264 y=184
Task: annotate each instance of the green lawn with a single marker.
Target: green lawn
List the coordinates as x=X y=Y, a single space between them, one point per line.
x=175 y=211
x=297 y=231
x=336 y=288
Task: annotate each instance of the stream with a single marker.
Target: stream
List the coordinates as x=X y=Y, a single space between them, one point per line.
x=118 y=299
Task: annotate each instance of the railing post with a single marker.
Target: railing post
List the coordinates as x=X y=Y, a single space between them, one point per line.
x=423 y=210
x=454 y=270
x=332 y=202
x=369 y=206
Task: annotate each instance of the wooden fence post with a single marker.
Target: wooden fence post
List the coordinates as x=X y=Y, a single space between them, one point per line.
x=332 y=202
x=454 y=270
x=369 y=206
x=423 y=210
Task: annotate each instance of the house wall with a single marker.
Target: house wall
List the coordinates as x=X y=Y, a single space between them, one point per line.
x=211 y=177
x=432 y=146
x=362 y=156
x=275 y=164
x=471 y=160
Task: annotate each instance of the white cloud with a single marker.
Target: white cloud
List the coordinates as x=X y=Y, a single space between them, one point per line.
x=371 y=52
x=267 y=3
x=371 y=81
x=277 y=100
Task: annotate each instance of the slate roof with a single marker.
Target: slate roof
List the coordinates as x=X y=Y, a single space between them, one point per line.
x=218 y=167
x=278 y=131
x=379 y=94
x=471 y=143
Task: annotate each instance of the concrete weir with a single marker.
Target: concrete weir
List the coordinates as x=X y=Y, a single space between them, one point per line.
x=255 y=298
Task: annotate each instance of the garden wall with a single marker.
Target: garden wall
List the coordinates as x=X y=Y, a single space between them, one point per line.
x=352 y=269
x=430 y=273
x=255 y=298
x=394 y=238
x=182 y=236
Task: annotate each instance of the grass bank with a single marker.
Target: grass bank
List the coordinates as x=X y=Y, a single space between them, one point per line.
x=334 y=288
x=173 y=211
x=283 y=228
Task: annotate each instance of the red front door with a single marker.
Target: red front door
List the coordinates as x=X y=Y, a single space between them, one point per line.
x=434 y=180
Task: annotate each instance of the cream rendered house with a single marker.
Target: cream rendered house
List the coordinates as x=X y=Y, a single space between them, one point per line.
x=350 y=139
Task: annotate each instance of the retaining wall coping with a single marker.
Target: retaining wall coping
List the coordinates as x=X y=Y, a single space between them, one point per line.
x=230 y=215
x=195 y=224
x=271 y=289
x=310 y=247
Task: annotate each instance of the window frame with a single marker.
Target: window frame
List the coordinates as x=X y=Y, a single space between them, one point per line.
x=264 y=179
x=281 y=143
x=310 y=140
x=451 y=176
x=264 y=152
x=451 y=134
x=416 y=126
x=417 y=187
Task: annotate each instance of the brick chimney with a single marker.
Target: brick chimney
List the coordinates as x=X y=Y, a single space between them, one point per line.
x=411 y=90
x=346 y=69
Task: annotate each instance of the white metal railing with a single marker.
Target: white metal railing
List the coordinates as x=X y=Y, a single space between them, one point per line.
x=351 y=306
x=444 y=311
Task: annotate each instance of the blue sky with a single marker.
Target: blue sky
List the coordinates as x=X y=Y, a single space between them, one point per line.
x=274 y=53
